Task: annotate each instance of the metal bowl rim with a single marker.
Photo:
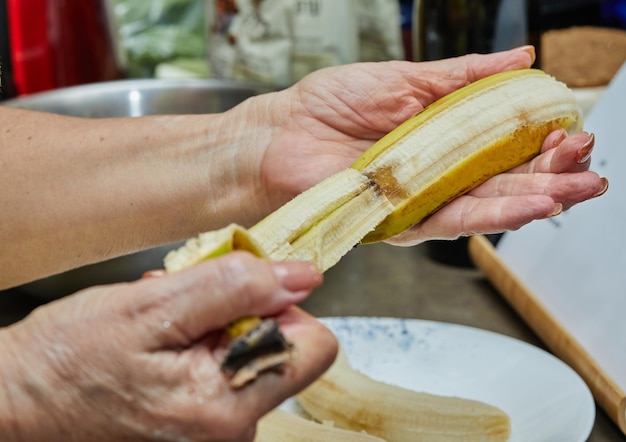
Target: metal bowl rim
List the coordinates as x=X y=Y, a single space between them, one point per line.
x=141 y=84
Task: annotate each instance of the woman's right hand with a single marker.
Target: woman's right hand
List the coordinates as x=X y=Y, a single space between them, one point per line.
x=141 y=361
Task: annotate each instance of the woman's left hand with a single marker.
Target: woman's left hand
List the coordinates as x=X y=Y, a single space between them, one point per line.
x=332 y=116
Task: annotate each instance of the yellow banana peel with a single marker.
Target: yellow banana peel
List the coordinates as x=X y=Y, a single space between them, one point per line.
x=455 y=144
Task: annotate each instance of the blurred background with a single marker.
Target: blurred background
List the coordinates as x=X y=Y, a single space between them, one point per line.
x=49 y=44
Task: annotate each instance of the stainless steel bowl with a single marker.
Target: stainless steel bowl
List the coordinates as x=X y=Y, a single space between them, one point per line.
x=119 y=99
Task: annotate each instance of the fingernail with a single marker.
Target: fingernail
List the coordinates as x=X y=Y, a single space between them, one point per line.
x=153 y=274
x=602 y=191
x=530 y=50
x=558 y=209
x=562 y=135
x=296 y=276
x=584 y=153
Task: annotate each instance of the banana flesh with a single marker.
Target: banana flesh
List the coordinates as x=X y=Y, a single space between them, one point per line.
x=325 y=222
x=452 y=146
x=455 y=144
x=354 y=401
x=464 y=139
x=209 y=245
x=320 y=225
x=282 y=426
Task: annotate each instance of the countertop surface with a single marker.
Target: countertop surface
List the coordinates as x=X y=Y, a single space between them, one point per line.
x=381 y=280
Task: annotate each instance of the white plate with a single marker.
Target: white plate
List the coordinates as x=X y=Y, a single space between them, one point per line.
x=545 y=399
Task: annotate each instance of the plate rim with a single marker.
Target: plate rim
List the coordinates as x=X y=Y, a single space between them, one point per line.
x=586 y=429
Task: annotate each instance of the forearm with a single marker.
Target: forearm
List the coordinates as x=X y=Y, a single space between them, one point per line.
x=76 y=191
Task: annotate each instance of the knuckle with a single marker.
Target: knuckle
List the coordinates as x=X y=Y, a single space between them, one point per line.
x=241 y=276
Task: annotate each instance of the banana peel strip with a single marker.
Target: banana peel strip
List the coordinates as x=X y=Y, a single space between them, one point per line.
x=465 y=138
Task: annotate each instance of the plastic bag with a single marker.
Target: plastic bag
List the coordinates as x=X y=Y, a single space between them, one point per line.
x=157 y=31
x=380 y=33
x=279 y=41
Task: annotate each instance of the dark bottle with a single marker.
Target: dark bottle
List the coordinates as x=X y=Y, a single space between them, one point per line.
x=49 y=44
x=449 y=28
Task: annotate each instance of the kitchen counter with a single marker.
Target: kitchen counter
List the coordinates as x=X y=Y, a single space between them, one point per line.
x=381 y=280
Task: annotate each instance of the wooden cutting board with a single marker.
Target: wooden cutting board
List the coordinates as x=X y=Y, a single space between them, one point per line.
x=610 y=396
x=566 y=276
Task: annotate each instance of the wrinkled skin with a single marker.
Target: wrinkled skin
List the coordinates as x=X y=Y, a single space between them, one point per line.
x=141 y=361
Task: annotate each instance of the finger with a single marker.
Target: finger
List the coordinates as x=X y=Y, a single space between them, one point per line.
x=316 y=350
x=445 y=76
x=206 y=297
x=469 y=215
x=565 y=188
x=553 y=140
x=571 y=154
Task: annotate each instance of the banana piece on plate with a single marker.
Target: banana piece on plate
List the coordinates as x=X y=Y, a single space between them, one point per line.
x=455 y=144
x=354 y=401
x=282 y=426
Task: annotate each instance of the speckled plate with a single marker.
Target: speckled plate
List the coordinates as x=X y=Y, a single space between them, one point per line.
x=545 y=399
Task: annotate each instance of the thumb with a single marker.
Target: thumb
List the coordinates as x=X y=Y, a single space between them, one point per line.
x=447 y=75
x=208 y=296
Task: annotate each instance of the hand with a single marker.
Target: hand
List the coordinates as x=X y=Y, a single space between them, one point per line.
x=333 y=115
x=141 y=361
x=330 y=117
x=552 y=182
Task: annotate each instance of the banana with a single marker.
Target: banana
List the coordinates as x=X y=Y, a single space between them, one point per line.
x=325 y=222
x=209 y=245
x=354 y=401
x=455 y=144
x=320 y=225
x=281 y=426
x=462 y=140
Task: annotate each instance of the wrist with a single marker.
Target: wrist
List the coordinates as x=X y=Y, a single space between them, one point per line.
x=237 y=191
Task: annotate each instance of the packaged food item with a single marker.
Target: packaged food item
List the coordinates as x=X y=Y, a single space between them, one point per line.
x=250 y=40
x=279 y=41
x=326 y=34
x=380 y=33
x=160 y=31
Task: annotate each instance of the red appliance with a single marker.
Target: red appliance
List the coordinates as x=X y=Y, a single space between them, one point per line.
x=57 y=43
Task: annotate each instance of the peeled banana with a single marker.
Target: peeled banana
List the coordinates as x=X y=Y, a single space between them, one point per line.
x=455 y=144
x=464 y=139
x=354 y=401
x=281 y=426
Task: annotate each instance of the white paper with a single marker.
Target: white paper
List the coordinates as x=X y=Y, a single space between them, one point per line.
x=576 y=263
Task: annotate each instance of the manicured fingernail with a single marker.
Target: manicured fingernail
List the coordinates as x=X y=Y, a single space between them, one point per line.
x=560 y=137
x=295 y=276
x=584 y=153
x=153 y=273
x=602 y=191
x=558 y=209
x=530 y=50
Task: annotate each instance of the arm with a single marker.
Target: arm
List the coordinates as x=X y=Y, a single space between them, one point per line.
x=76 y=191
